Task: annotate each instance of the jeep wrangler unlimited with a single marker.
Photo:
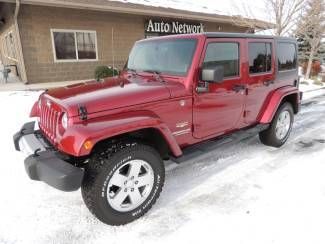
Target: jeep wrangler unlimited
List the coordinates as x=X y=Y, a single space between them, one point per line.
x=111 y=137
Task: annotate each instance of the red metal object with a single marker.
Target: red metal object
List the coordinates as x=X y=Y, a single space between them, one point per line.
x=274 y=102
x=182 y=115
x=34 y=111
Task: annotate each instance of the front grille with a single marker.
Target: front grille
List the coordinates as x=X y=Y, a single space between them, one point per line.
x=49 y=119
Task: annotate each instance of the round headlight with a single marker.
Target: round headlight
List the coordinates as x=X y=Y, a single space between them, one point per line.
x=64 y=121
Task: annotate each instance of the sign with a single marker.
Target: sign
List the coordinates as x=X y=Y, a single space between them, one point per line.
x=173 y=27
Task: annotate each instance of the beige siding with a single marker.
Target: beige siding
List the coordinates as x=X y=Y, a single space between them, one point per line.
x=35 y=23
x=7 y=12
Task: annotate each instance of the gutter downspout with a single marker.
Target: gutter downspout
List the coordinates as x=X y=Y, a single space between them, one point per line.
x=21 y=62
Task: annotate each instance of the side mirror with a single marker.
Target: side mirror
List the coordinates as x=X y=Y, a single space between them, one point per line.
x=213 y=75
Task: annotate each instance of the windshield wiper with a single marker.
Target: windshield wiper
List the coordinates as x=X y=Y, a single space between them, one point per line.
x=133 y=71
x=156 y=73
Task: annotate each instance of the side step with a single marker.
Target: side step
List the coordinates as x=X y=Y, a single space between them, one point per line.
x=212 y=144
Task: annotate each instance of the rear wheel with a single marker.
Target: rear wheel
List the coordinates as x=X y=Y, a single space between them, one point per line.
x=278 y=132
x=122 y=187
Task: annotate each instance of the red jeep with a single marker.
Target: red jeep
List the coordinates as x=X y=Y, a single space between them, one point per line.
x=176 y=96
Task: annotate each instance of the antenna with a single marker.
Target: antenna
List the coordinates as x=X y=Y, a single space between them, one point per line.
x=113 y=54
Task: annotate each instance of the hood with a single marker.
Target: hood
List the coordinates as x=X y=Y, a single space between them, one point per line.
x=109 y=94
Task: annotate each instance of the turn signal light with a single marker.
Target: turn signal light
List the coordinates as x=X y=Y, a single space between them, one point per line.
x=88 y=145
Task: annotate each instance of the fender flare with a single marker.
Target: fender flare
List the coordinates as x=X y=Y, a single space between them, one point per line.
x=34 y=111
x=274 y=102
x=98 y=129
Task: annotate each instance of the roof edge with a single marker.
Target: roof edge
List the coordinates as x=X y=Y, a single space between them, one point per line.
x=140 y=9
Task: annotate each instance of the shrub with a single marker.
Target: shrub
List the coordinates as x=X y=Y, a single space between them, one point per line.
x=315 y=68
x=322 y=76
x=304 y=83
x=318 y=82
x=102 y=72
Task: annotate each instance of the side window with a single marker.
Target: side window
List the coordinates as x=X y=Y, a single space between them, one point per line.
x=287 y=56
x=225 y=54
x=260 y=57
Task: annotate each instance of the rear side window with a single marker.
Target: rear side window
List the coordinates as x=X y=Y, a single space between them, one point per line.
x=287 y=56
x=224 y=54
x=260 y=57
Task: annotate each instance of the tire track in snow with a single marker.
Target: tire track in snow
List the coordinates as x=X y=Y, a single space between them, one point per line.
x=179 y=196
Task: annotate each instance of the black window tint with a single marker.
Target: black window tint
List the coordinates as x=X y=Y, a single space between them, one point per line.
x=287 y=58
x=64 y=43
x=260 y=57
x=86 y=44
x=225 y=54
x=268 y=57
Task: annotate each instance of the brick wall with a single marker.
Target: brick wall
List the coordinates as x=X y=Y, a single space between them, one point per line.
x=35 y=23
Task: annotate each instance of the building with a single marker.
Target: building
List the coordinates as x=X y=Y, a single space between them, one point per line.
x=64 y=40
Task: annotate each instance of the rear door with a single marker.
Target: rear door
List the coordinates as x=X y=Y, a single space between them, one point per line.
x=260 y=76
x=219 y=108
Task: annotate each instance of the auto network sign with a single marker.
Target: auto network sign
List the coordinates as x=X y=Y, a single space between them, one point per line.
x=173 y=27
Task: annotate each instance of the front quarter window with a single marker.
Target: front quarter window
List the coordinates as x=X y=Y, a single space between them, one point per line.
x=172 y=56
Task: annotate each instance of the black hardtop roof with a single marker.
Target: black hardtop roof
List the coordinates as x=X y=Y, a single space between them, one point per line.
x=224 y=35
x=244 y=35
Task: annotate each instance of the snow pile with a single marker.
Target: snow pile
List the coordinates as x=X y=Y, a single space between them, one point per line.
x=310 y=85
x=195 y=6
x=230 y=8
x=241 y=193
x=310 y=88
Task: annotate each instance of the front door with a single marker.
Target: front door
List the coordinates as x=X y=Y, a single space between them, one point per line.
x=219 y=108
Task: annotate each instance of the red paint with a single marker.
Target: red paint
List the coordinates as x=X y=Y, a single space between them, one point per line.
x=274 y=102
x=132 y=102
x=34 y=111
x=219 y=110
x=257 y=91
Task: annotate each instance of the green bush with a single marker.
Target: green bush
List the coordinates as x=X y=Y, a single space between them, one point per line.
x=102 y=72
x=304 y=83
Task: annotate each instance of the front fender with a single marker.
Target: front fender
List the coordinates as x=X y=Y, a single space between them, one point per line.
x=274 y=102
x=98 y=129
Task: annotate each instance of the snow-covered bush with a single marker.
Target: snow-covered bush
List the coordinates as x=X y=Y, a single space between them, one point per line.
x=103 y=71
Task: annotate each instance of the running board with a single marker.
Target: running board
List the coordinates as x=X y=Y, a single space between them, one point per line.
x=212 y=144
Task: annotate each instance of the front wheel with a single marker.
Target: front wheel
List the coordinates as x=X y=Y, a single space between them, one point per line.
x=278 y=132
x=122 y=187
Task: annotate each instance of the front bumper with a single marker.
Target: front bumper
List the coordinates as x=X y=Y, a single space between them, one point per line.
x=42 y=162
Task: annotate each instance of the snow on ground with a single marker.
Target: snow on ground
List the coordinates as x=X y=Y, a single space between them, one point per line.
x=241 y=193
x=310 y=89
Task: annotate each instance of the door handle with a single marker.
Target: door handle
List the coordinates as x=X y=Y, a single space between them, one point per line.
x=238 y=87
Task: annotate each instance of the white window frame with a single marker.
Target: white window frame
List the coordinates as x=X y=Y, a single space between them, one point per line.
x=76 y=45
x=6 y=48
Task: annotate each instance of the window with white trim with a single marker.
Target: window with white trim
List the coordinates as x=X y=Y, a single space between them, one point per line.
x=76 y=45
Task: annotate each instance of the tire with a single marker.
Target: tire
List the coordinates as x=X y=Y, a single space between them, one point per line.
x=272 y=136
x=104 y=197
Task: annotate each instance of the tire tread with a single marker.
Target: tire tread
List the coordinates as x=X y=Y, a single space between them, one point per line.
x=95 y=167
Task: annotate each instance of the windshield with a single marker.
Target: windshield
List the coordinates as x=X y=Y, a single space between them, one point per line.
x=173 y=56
